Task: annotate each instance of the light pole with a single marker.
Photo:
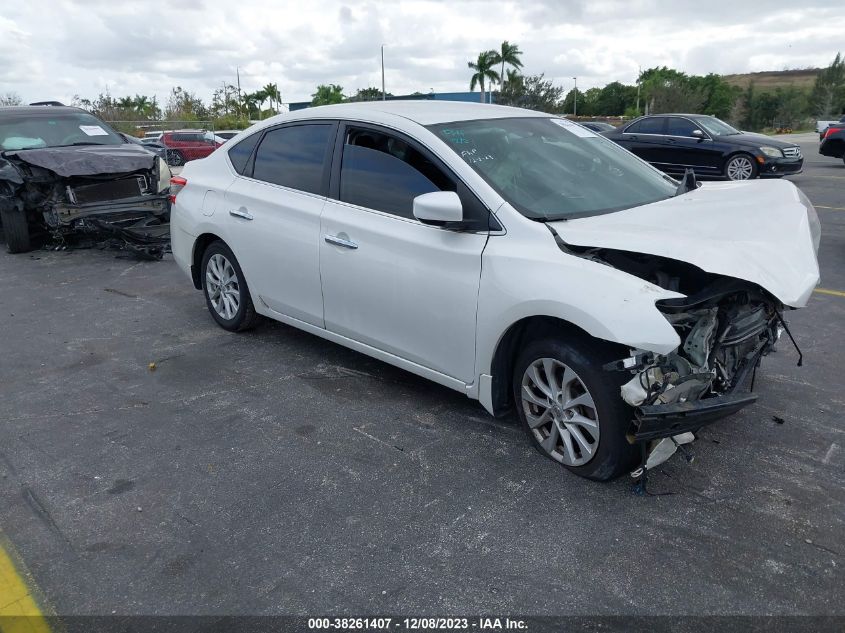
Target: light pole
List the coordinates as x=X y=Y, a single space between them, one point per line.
x=383 y=93
x=575 y=103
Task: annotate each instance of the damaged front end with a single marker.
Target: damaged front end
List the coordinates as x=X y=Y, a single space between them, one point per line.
x=83 y=196
x=725 y=330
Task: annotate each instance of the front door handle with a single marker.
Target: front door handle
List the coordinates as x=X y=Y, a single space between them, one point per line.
x=241 y=213
x=339 y=241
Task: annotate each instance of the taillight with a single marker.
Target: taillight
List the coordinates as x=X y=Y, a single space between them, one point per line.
x=177 y=183
x=830 y=130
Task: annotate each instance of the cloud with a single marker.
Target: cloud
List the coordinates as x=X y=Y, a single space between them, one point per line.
x=58 y=48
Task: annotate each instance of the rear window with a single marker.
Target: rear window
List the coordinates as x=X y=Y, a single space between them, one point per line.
x=294 y=157
x=653 y=125
x=239 y=154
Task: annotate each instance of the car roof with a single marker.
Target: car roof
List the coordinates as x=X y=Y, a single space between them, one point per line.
x=424 y=112
x=41 y=110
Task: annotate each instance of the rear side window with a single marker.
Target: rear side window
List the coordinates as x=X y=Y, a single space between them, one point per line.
x=239 y=154
x=385 y=173
x=293 y=157
x=653 y=125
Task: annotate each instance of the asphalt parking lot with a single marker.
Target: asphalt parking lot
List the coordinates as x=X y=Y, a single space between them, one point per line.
x=275 y=473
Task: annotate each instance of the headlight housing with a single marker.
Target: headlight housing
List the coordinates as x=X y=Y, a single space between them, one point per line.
x=774 y=152
x=163 y=175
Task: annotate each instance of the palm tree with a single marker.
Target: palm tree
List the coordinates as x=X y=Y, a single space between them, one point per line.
x=508 y=54
x=272 y=92
x=483 y=68
x=261 y=97
x=251 y=100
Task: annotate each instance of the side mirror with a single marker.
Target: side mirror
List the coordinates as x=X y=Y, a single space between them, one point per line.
x=438 y=207
x=698 y=134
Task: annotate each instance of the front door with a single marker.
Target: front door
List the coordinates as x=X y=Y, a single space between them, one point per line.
x=390 y=281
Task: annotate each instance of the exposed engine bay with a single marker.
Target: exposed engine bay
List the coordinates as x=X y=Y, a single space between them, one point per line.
x=88 y=196
x=725 y=325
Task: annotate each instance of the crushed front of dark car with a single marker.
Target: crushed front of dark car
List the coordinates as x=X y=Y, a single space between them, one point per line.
x=95 y=189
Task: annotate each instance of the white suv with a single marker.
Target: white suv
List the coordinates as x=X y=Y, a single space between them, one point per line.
x=511 y=255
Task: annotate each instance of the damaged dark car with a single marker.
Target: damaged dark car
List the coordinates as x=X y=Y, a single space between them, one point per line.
x=67 y=177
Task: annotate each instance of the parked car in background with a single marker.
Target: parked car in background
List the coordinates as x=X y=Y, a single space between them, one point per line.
x=708 y=146
x=63 y=171
x=821 y=126
x=511 y=255
x=227 y=134
x=153 y=135
x=599 y=126
x=833 y=141
x=189 y=144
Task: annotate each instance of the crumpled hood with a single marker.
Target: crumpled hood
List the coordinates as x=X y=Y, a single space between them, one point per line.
x=87 y=160
x=765 y=232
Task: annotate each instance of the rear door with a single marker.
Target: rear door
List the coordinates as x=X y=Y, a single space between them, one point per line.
x=389 y=281
x=273 y=216
x=646 y=139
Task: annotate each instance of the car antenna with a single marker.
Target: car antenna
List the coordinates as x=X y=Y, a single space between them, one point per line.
x=688 y=182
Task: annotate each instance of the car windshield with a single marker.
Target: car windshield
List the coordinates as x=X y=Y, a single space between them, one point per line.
x=552 y=169
x=29 y=131
x=716 y=127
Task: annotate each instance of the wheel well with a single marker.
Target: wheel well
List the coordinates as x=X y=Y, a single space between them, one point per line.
x=200 y=245
x=514 y=340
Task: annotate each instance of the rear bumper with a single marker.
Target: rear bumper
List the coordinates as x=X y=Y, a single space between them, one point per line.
x=664 y=420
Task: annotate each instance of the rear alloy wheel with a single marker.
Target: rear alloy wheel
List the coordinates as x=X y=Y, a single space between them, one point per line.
x=571 y=408
x=741 y=167
x=225 y=289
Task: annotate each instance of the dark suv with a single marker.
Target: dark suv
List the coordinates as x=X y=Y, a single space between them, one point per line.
x=189 y=144
x=711 y=147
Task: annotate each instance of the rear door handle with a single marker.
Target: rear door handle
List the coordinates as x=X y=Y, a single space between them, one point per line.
x=241 y=213
x=339 y=241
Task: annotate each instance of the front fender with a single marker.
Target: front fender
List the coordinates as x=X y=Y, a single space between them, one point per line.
x=538 y=279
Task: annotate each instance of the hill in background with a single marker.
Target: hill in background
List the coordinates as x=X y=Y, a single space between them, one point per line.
x=772 y=79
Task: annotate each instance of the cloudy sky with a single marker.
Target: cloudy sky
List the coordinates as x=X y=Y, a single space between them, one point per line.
x=54 y=49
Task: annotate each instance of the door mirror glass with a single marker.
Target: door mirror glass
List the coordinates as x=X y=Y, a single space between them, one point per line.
x=438 y=207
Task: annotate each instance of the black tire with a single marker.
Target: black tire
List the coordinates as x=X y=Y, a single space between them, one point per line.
x=15 y=230
x=755 y=171
x=614 y=455
x=245 y=317
x=175 y=158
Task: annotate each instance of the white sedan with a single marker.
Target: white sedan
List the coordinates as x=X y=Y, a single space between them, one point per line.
x=511 y=255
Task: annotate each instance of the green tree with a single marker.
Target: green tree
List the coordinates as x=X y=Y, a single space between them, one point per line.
x=532 y=92
x=568 y=105
x=367 y=94
x=10 y=99
x=484 y=72
x=327 y=94
x=828 y=95
x=614 y=99
x=273 y=95
x=508 y=54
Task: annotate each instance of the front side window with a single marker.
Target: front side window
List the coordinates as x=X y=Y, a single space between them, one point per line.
x=676 y=126
x=551 y=169
x=382 y=172
x=293 y=157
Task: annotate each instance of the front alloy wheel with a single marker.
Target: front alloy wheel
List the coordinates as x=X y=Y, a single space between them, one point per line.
x=740 y=168
x=571 y=408
x=560 y=412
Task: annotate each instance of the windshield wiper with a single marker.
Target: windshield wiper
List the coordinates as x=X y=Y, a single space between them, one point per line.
x=687 y=183
x=78 y=143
